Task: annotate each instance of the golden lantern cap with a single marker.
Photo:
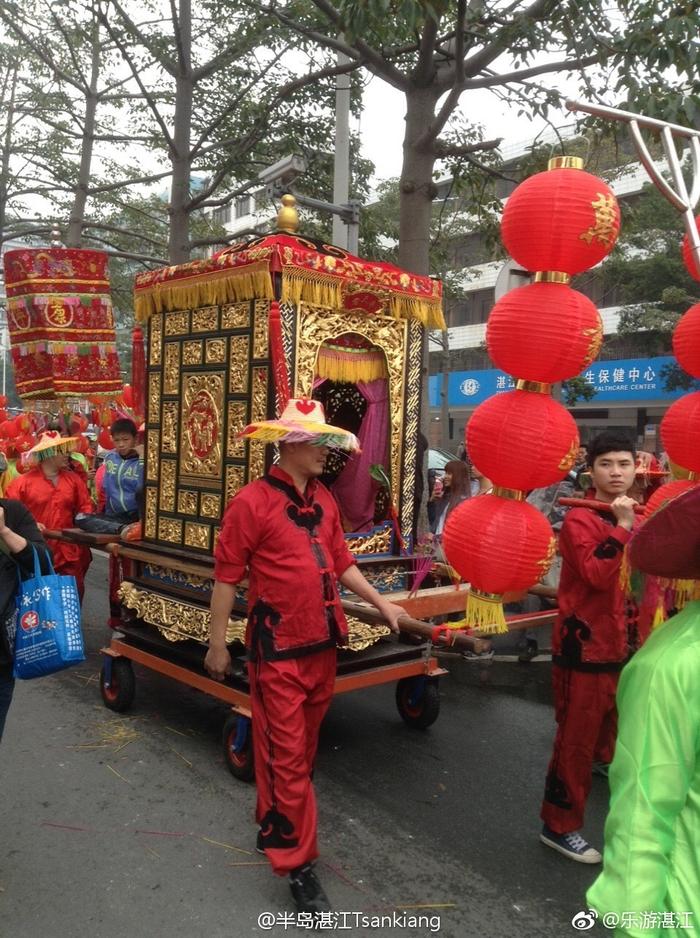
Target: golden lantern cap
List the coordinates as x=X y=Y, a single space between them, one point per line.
x=552 y=276
x=288 y=217
x=565 y=162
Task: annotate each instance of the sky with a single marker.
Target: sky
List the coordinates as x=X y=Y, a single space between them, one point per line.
x=381 y=125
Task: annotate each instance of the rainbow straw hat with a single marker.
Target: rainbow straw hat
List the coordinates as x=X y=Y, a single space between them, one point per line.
x=302 y=421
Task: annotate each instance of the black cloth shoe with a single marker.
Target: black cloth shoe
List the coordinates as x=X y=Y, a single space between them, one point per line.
x=307 y=891
x=259 y=846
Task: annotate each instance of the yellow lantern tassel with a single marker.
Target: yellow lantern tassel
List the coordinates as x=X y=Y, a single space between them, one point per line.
x=684 y=591
x=625 y=575
x=659 y=614
x=485 y=613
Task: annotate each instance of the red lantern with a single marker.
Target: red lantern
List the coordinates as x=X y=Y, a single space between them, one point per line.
x=24 y=443
x=688 y=255
x=561 y=220
x=686 y=341
x=522 y=440
x=680 y=431
x=665 y=493
x=496 y=545
x=105 y=439
x=544 y=332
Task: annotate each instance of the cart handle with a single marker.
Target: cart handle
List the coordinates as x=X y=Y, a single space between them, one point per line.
x=594 y=505
x=420 y=628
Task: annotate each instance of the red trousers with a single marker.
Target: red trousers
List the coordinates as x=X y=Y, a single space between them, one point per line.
x=288 y=702
x=586 y=718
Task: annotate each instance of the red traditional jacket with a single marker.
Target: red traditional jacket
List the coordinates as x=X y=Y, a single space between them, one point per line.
x=292 y=548
x=595 y=629
x=55 y=506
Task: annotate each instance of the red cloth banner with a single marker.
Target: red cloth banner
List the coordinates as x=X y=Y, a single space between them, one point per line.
x=61 y=323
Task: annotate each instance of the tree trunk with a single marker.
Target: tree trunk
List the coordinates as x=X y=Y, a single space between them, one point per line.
x=416 y=191
x=416 y=185
x=179 y=235
x=74 y=235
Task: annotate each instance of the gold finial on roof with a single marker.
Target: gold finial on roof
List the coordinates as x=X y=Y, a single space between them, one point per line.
x=288 y=217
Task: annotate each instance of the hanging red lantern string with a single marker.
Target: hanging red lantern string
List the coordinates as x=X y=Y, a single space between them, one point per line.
x=544 y=332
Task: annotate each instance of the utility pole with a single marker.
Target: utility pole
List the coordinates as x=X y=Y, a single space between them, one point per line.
x=345 y=233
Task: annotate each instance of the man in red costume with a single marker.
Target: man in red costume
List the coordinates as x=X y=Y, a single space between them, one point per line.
x=54 y=494
x=284 y=533
x=594 y=635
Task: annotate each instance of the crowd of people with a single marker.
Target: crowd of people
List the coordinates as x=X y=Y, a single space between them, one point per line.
x=283 y=532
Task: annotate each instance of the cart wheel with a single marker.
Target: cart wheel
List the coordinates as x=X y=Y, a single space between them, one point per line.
x=418 y=701
x=119 y=689
x=238 y=747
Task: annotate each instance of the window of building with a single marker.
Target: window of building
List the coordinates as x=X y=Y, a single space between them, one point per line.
x=472 y=309
x=222 y=215
x=243 y=206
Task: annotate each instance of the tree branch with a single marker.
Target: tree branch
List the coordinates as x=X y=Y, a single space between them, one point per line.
x=443 y=149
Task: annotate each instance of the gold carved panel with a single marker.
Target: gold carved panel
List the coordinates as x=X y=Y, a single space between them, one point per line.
x=238 y=364
x=378 y=543
x=187 y=503
x=177 y=323
x=237 y=420
x=258 y=408
x=192 y=352
x=170 y=529
x=215 y=353
x=170 y=426
x=168 y=469
x=151 y=506
x=235 y=316
x=155 y=324
x=235 y=480
x=205 y=319
x=260 y=329
x=152 y=450
x=171 y=368
x=414 y=364
x=197 y=535
x=153 y=396
x=175 y=620
x=202 y=425
x=210 y=505
x=316 y=324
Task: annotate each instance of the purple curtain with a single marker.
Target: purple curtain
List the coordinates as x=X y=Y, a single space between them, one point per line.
x=354 y=489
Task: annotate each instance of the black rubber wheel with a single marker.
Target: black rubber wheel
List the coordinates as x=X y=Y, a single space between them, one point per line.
x=418 y=701
x=119 y=695
x=238 y=752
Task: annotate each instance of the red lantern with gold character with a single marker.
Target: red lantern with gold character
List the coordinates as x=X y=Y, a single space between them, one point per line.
x=522 y=440
x=496 y=545
x=544 y=332
x=561 y=220
x=686 y=341
x=680 y=432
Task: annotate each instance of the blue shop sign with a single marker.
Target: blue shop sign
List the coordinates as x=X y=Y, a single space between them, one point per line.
x=620 y=381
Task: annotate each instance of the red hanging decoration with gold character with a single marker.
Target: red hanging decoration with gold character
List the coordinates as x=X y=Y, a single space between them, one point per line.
x=61 y=323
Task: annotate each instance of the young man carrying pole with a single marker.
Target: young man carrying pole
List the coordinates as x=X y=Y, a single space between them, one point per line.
x=593 y=637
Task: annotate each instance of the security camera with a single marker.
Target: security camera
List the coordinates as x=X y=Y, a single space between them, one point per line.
x=283 y=171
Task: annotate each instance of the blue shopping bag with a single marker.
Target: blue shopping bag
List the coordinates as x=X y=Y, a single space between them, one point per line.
x=48 y=636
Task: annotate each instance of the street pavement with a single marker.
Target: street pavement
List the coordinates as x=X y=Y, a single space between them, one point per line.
x=114 y=825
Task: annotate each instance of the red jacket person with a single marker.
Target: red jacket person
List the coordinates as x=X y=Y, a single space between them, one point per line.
x=593 y=637
x=284 y=533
